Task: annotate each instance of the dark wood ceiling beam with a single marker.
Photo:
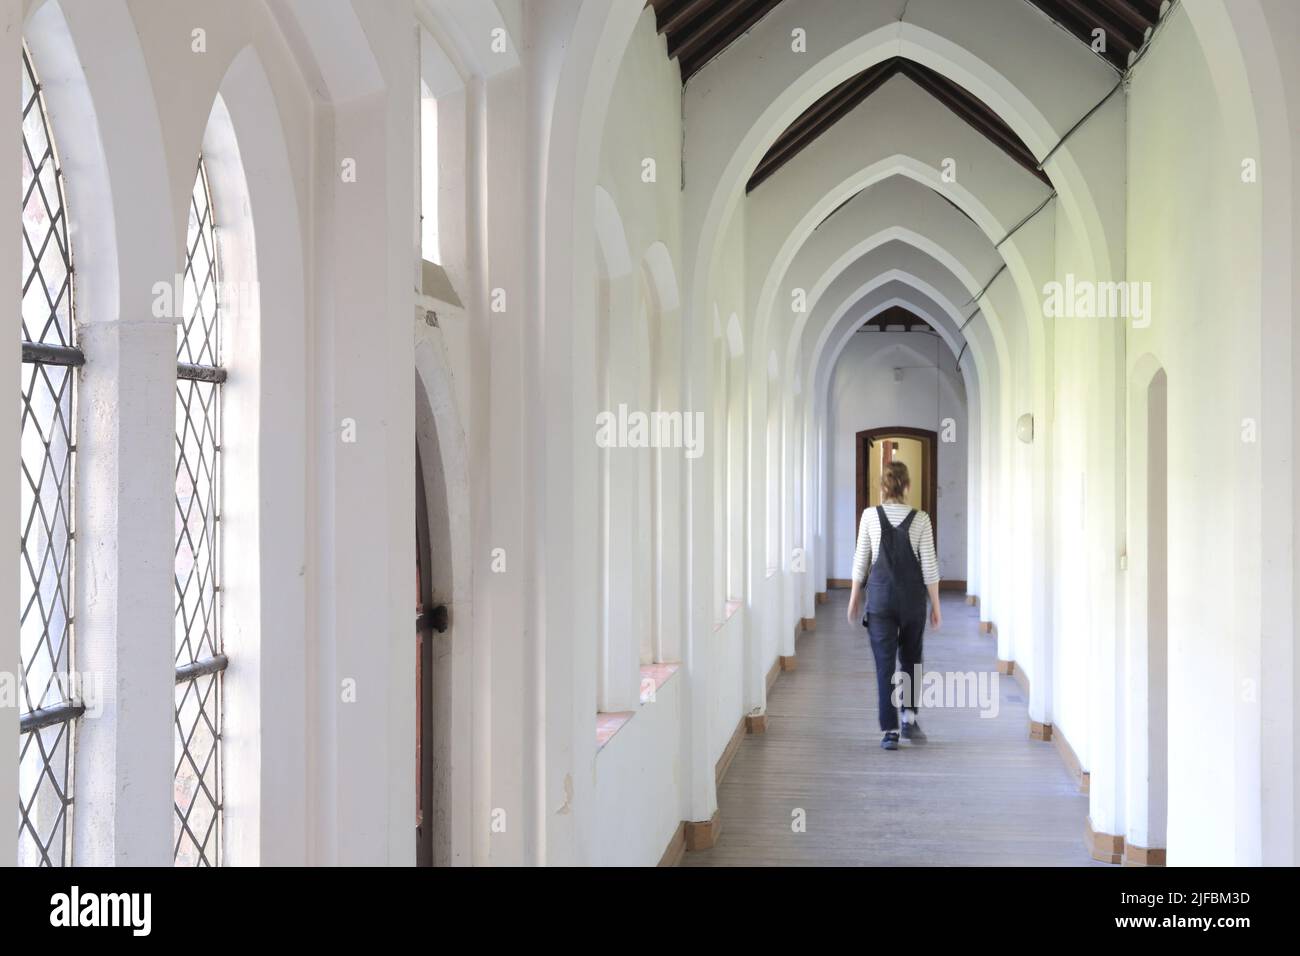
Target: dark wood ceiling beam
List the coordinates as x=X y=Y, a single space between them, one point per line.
x=672 y=19
x=897 y=315
x=708 y=31
x=976 y=114
x=745 y=19
x=1080 y=29
x=821 y=116
x=1149 y=9
x=1130 y=15
x=842 y=100
x=1092 y=15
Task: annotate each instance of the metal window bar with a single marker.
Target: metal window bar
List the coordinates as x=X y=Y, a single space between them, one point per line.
x=49 y=710
x=200 y=661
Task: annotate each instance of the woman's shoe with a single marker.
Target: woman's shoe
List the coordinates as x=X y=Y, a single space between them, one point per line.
x=912 y=731
x=889 y=740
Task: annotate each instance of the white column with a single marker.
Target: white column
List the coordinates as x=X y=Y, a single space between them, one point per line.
x=758 y=616
x=361 y=663
x=701 y=797
x=126 y=531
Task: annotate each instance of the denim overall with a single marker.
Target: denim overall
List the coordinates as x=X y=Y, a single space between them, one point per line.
x=895 y=616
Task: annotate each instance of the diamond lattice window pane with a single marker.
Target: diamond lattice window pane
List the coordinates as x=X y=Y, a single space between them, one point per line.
x=197 y=794
x=43 y=799
x=199 y=339
x=45 y=497
x=198 y=767
x=47 y=283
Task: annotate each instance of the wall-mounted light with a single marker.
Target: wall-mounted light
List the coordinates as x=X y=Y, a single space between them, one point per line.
x=1025 y=428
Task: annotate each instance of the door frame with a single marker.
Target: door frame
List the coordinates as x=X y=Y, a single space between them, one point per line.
x=929 y=468
x=424 y=638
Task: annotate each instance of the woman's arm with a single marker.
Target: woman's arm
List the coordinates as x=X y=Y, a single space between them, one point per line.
x=930 y=570
x=855 y=603
x=861 y=568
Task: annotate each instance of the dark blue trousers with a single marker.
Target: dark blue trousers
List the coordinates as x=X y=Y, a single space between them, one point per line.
x=895 y=644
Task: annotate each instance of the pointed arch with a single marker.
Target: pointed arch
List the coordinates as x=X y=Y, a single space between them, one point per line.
x=264 y=453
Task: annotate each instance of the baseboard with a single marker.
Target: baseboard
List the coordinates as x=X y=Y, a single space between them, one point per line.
x=676 y=847
x=986 y=627
x=952 y=585
x=808 y=624
x=1081 y=777
x=1143 y=855
x=821 y=597
x=729 y=752
x=1006 y=667
x=973 y=600
x=703 y=834
x=1038 y=731
x=838 y=584
x=1106 y=847
x=788 y=663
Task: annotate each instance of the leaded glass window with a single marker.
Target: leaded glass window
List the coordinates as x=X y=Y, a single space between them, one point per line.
x=48 y=705
x=200 y=661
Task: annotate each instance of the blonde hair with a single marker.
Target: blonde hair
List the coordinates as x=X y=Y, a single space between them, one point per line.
x=894 y=481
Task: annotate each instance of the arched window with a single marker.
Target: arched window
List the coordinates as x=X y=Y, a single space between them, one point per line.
x=49 y=705
x=200 y=661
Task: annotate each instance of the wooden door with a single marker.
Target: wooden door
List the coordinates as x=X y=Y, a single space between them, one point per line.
x=424 y=629
x=925 y=486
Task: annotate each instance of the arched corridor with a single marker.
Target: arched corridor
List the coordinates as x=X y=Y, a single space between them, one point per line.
x=613 y=315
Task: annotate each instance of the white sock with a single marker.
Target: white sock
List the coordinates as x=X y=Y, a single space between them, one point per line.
x=908 y=716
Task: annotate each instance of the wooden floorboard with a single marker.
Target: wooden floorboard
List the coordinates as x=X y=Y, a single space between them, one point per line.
x=980 y=792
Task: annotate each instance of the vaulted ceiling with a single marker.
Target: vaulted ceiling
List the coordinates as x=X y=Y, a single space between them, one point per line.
x=841 y=101
x=698 y=30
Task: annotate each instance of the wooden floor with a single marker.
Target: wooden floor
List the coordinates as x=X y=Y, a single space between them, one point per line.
x=980 y=792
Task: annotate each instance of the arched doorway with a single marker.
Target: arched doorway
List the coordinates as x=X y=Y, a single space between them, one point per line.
x=918 y=449
x=432 y=667
x=430 y=621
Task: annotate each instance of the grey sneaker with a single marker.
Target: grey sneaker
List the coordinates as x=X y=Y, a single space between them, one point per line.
x=912 y=731
x=889 y=740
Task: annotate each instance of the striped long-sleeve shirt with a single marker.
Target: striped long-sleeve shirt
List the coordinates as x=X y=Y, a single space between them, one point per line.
x=920 y=534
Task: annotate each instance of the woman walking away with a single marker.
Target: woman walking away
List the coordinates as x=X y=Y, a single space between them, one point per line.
x=896 y=546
